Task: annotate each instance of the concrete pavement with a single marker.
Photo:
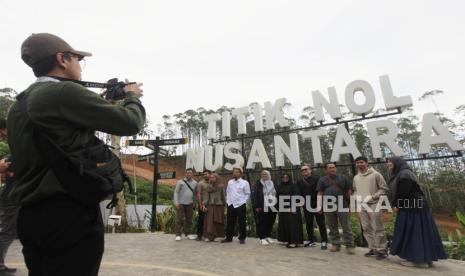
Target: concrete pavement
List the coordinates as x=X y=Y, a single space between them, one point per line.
x=159 y=254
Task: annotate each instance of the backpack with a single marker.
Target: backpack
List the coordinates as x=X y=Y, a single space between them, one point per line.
x=89 y=174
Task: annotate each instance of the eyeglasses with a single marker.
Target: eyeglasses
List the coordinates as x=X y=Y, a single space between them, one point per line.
x=306 y=169
x=80 y=59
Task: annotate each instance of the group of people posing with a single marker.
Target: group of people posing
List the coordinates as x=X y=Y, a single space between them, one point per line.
x=416 y=238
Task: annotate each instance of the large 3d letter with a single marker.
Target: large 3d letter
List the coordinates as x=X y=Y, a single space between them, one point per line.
x=368 y=93
x=391 y=101
x=282 y=149
x=211 y=119
x=332 y=106
x=236 y=156
x=275 y=112
x=316 y=145
x=258 y=155
x=432 y=124
x=343 y=136
x=209 y=164
x=195 y=159
x=241 y=114
x=388 y=138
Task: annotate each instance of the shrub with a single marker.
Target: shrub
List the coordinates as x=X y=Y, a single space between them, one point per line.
x=455 y=247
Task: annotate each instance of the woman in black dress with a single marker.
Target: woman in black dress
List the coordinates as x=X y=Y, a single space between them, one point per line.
x=290 y=220
x=416 y=238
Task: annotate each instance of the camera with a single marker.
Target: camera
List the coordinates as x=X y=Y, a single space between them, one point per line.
x=115 y=90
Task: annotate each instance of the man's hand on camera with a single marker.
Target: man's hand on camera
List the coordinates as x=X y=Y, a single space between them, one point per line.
x=135 y=88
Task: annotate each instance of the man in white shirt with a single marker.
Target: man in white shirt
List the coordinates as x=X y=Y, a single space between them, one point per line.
x=237 y=194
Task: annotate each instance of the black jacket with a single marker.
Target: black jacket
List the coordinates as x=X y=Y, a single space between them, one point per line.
x=307 y=187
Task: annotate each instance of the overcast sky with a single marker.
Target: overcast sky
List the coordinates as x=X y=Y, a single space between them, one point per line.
x=207 y=54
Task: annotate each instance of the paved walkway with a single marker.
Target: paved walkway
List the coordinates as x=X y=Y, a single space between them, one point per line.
x=159 y=254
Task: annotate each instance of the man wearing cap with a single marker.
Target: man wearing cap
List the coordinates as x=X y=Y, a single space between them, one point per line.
x=237 y=194
x=60 y=236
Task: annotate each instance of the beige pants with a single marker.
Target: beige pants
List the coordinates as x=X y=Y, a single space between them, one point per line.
x=373 y=230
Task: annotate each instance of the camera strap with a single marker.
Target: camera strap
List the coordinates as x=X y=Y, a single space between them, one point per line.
x=84 y=83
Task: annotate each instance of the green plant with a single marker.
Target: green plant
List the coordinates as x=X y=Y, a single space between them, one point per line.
x=4 y=150
x=460 y=218
x=455 y=247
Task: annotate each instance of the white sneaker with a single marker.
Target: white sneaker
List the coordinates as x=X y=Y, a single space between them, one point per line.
x=270 y=240
x=191 y=237
x=264 y=242
x=178 y=238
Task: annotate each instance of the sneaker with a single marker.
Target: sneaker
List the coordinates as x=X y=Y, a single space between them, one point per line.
x=371 y=253
x=226 y=240
x=381 y=256
x=242 y=241
x=309 y=244
x=335 y=248
x=199 y=238
x=7 y=270
x=350 y=250
x=264 y=242
x=178 y=238
x=324 y=246
x=270 y=240
x=191 y=237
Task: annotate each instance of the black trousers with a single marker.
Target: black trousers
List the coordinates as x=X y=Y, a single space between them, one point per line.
x=265 y=222
x=320 y=220
x=200 y=222
x=234 y=215
x=61 y=237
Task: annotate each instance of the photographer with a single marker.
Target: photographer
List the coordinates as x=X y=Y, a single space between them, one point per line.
x=60 y=235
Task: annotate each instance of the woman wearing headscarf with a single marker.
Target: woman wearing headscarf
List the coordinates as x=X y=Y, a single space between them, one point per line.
x=290 y=220
x=213 y=203
x=416 y=238
x=263 y=196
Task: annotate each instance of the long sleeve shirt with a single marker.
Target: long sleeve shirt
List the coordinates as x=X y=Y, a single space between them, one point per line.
x=182 y=193
x=69 y=114
x=237 y=192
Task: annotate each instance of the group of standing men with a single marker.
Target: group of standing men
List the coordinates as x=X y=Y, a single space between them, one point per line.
x=368 y=184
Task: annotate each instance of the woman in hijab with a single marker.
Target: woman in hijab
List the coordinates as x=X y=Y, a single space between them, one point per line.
x=290 y=220
x=214 y=194
x=416 y=238
x=263 y=195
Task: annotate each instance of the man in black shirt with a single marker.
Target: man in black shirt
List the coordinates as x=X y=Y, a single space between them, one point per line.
x=307 y=185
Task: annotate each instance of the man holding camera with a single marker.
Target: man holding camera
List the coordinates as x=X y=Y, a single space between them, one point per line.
x=59 y=234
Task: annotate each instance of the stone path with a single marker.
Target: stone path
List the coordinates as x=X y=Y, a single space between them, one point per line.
x=159 y=254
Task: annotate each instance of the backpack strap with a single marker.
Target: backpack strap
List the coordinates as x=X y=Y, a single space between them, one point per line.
x=189 y=186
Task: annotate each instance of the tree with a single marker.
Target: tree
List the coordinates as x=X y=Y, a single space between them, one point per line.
x=7 y=98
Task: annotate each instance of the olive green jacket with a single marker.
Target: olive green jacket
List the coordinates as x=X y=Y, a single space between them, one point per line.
x=70 y=114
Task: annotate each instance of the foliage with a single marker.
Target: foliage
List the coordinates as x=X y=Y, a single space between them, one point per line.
x=144 y=193
x=4 y=150
x=455 y=247
x=7 y=98
x=460 y=218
